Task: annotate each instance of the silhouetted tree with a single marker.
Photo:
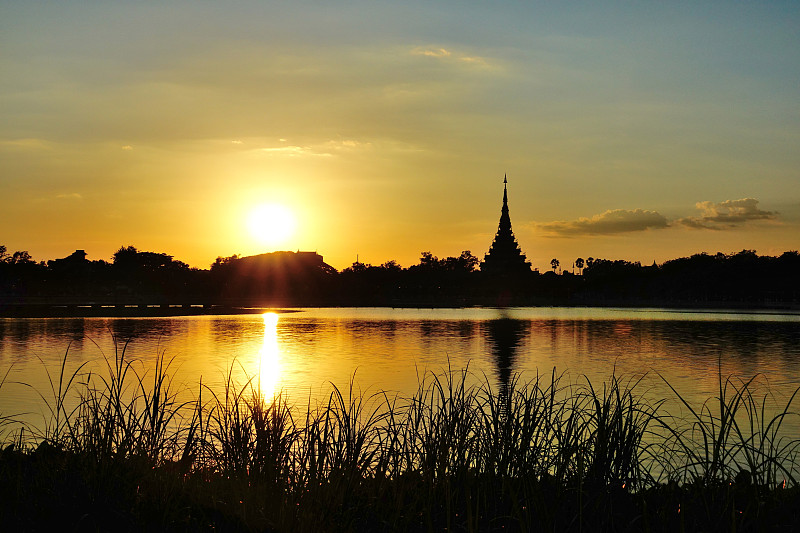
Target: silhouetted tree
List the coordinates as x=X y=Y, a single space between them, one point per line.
x=125 y=254
x=428 y=260
x=392 y=266
x=130 y=259
x=466 y=262
x=20 y=274
x=221 y=261
x=739 y=279
x=357 y=267
x=151 y=274
x=21 y=258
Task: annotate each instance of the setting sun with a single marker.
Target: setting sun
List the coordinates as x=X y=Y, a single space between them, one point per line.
x=271 y=224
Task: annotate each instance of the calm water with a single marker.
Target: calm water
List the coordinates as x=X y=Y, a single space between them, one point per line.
x=303 y=352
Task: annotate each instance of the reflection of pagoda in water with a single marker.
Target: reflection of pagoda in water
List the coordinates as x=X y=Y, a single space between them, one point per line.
x=505 y=255
x=505 y=336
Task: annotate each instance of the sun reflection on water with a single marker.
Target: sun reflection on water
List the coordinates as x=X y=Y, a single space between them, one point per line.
x=269 y=360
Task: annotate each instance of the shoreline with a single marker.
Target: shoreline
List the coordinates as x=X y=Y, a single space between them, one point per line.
x=131 y=311
x=57 y=310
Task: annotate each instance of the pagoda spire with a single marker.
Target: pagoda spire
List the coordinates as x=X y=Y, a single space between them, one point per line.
x=505 y=255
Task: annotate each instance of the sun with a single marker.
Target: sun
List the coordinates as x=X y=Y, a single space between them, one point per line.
x=271 y=224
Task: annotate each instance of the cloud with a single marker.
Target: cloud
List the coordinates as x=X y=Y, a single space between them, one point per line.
x=727 y=214
x=431 y=52
x=327 y=148
x=348 y=144
x=70 y=196
x=608 y=223
x=127 y=147
x=474 y=60
x=25 y=144
x=286 y=150
x=714 y=216
x=294 y=151
x=445 y=54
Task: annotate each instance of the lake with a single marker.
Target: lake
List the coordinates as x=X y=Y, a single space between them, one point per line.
x=302 y=352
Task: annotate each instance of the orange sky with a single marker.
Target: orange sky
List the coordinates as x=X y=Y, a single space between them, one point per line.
x=641 y=132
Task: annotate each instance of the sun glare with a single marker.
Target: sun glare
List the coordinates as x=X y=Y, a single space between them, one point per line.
x=271 y=224
x=270 y=357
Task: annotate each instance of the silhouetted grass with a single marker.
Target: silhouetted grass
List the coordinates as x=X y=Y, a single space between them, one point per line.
x=118 y=451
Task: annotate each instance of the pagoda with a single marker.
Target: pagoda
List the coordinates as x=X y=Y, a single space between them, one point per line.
x=505 y=256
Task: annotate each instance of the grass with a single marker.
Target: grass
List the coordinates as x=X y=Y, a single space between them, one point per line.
x=537 y=455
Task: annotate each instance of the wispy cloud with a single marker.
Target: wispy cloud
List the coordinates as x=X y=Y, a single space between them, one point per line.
x=294 y=151
x=727 y=214
x=127 y=147
x=445 y=54
x=70 y=196
x=475 y=60
x=25 y=144
x=322 y=149
x=286 y=150
x=607 y=223
x=431 y=52
x=348 y=144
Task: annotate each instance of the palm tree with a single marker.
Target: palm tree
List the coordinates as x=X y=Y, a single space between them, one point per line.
x=579 y=263
x=554 y=264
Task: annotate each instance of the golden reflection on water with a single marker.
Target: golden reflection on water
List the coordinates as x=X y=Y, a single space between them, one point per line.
x=269 y=360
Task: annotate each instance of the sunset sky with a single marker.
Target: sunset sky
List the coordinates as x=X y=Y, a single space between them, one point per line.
x=628 y=130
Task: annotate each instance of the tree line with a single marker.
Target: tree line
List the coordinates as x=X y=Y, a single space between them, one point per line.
x=742 y=279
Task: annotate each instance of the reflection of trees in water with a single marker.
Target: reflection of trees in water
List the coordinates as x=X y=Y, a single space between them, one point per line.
x=302 y=329
x=20 y=331
x=222 y=328
x=742 y=340
x=466 y=328
x=125 y=331
x=505 y=336
x=75 y=331
x=447 y=328
x=368 y=328
x=429 y=327
x=432 y=332
x=740 y=345
x=302 y=337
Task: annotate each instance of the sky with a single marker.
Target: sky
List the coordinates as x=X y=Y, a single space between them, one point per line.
x=642 y=131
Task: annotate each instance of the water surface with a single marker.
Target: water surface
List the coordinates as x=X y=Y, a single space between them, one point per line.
x=302 y=353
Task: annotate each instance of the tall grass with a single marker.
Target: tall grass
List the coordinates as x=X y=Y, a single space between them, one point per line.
x=542 y=454
x=120 y=413
x=730 y=437
x=7 y=421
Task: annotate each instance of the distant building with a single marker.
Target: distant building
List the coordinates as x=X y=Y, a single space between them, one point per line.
x=505 y=256
x=76 y=261
x=276 y=278
x=78 y=257
x=295 y=261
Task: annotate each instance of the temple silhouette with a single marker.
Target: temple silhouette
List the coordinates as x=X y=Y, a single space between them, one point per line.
x=505 y=256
